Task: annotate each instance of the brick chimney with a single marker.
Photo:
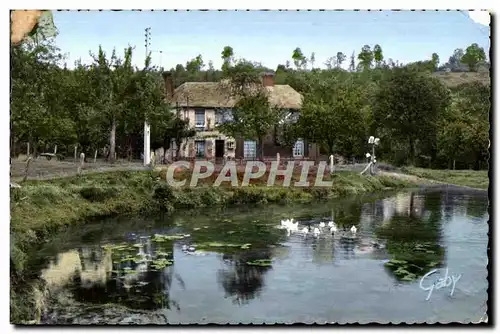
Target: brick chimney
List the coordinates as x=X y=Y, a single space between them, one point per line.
x=268 y=79
x=169 y=85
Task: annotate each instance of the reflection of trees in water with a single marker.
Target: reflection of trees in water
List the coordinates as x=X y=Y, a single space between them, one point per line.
x=413 y=240
x=454 y=202
x=140 y=278
x=477 y=206
x=241 y=280
x=348 y=214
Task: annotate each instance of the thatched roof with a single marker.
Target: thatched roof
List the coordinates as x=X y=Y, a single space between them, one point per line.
x=217 y=95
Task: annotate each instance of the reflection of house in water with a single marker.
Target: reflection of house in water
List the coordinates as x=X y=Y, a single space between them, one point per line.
x=60 y=272
x=372 y=214
x=347 y=246
x=323 y=249
x=138 y=276
x=402 y=205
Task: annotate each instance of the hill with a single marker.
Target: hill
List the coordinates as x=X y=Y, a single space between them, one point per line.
x=454 y=79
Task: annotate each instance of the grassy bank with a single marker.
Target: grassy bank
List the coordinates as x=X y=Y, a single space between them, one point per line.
x=469 y=178
x=41 y=208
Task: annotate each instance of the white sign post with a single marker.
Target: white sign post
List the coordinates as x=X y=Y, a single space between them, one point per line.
x=147 y=149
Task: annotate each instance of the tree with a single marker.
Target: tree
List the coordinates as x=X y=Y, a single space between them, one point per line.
x=340 y=59
x=378 y=55
x=333 y=120
x=312 y=60
x=352 y=64
x=252 y=115
x=298 y=58
x=331 y=62
x=112 y=79
x=464 y=128
x=435 y=61
x=455 y=60
x=227 y=56
x=195 y=65
x=365 y=57
x=473 y=56
x=407 y=107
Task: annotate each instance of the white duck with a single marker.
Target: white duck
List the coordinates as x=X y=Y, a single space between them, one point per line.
x=354 y=229
x=316 y=232
x=322 y=225
x=333 y=229
x=294 y=227
x=285 y=223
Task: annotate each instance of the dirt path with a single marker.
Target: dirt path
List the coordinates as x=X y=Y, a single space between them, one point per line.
x=43 y=169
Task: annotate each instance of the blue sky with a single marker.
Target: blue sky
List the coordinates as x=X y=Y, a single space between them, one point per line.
x=268 y=37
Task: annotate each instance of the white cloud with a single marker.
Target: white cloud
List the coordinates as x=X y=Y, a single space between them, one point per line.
x=480 y=16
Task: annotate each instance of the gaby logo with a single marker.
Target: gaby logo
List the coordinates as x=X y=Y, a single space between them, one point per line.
x=253 y=170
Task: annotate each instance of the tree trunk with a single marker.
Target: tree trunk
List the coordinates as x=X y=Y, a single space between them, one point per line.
x=112 y=141
x=261 y=147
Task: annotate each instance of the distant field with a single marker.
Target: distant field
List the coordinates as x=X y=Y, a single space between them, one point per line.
x=453 y=79
x=469 y=178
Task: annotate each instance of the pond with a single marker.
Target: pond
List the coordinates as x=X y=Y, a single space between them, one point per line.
x=237 y=266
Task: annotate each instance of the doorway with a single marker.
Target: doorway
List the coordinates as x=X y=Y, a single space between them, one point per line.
x=219 y=148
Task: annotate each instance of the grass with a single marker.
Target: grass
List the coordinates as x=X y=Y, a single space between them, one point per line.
x=39 y=209
x=469 y=178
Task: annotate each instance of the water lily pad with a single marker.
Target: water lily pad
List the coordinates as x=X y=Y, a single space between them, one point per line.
x=409 y=277
x=260 y=263
x=161 y=238
x=433 y=264
x=161 y=253
x=161 y=263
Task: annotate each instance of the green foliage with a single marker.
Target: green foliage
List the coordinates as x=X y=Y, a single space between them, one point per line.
x=107 y=102
x=366 y=57
x=52 y=105
x=463 y=134
x=332 y=115
x=473 y=56
x=407 y=108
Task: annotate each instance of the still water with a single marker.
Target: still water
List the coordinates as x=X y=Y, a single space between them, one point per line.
x=236 y=266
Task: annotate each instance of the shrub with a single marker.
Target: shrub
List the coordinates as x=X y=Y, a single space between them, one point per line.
x=97 y=193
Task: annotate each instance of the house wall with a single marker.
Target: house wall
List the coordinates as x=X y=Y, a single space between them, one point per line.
x=272 y=147
x=208 y=134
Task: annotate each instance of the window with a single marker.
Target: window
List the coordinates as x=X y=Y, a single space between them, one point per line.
x=199 y=118
x=249 y=149
x=298 y=148
x=200 y=148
